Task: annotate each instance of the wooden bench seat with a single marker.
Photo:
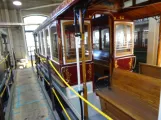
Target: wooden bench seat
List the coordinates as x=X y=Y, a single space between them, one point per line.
x=123 y=106
x=131 y=97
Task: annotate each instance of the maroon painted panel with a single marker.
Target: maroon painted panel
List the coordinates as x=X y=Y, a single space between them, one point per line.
x=125 y=63
x=63 y=7
x=70 y=73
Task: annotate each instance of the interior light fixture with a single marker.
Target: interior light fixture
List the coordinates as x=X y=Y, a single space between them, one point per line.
x=17 y=3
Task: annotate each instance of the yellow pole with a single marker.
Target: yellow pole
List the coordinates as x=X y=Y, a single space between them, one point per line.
x=83 y=64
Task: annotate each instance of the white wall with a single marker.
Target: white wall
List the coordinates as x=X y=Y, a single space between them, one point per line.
x=15 y=34
x=153 y=37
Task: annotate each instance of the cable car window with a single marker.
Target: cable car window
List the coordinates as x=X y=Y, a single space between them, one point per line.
x=123 y=39
x=42 y=43
x=105 y=39
x=54 y=42
x=69 y=42
x=47 y=42
x=37 y=43
x=96 y=39
x=39 y=40
x=101 y=42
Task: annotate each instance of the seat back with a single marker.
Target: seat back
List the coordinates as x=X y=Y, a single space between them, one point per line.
x=143 y=87
x=150 y=70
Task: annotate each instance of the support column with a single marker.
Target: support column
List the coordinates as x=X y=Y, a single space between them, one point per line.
x=10 y=37
x=152 y=41
x=51 y=52
x=159 y=46
x=41 y=42
x=81 y=24
x=23 y=34
x=45 y=42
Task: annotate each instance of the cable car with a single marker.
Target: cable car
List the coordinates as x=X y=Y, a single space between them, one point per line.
x=82 y=42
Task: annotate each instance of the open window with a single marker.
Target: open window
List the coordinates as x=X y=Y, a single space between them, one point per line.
x=54 y=41
x=43 y=42
x=69 y=42
x=124 y=42
x=47 y=42
x=39 y=41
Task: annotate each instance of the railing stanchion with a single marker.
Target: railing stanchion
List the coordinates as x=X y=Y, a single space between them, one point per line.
x=1 y=110
x=50 y=81
x=36 y=62
x=10 y=66
x=31 y=57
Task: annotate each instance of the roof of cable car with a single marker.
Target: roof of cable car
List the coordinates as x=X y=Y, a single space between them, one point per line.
x=138 y=11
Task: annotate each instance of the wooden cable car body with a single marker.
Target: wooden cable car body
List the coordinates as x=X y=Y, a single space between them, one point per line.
x=114 y=48
x=60 y=30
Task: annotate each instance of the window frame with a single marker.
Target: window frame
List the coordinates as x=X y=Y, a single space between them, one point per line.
x=71 y=61
x=54 y=24
x=131 y=52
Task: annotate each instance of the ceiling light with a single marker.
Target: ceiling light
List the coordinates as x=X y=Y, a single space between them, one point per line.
x=17 y=3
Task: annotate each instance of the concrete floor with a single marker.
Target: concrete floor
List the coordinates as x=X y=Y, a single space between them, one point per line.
x=29 y=101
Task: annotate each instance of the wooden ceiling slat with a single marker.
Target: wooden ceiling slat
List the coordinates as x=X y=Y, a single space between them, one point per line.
x=146 y=11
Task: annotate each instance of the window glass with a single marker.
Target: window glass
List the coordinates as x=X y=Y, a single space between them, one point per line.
x=105 y=39
x=40 y=50
x=140 y=1
x=101 y=42
x=96 y=39
x=47 y=42
x=124 y=43
x=43 y=43
x=37 y=43
x=127 y=3
x=69 y=40
x=54 y=41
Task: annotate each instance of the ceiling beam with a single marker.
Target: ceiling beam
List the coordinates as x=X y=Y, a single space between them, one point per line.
x=40 y=7
x=3 y=24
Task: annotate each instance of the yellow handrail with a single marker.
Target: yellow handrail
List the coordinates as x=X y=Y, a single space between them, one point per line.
x=41 y=58
x=61 y=104
x=1 y=95
x=44 y=78
x=4 y=59
x=56 y=97
x=90 y=104
x=3 y=92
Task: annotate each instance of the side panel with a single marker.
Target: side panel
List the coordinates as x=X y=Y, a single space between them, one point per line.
x=125 y=63
x=70 y=73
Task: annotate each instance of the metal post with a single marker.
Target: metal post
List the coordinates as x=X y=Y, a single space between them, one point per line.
x=8 y=90
x=36 y=62
x=31 y=57
x=50 y=81
x=1 y=110
x=81 y=24
x=10 y=66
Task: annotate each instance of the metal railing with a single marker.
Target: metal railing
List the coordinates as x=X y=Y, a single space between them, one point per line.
x=51 y=66
x=6 y=84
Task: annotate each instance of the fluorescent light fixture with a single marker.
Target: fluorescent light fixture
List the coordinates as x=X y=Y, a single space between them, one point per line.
x=17 y=3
